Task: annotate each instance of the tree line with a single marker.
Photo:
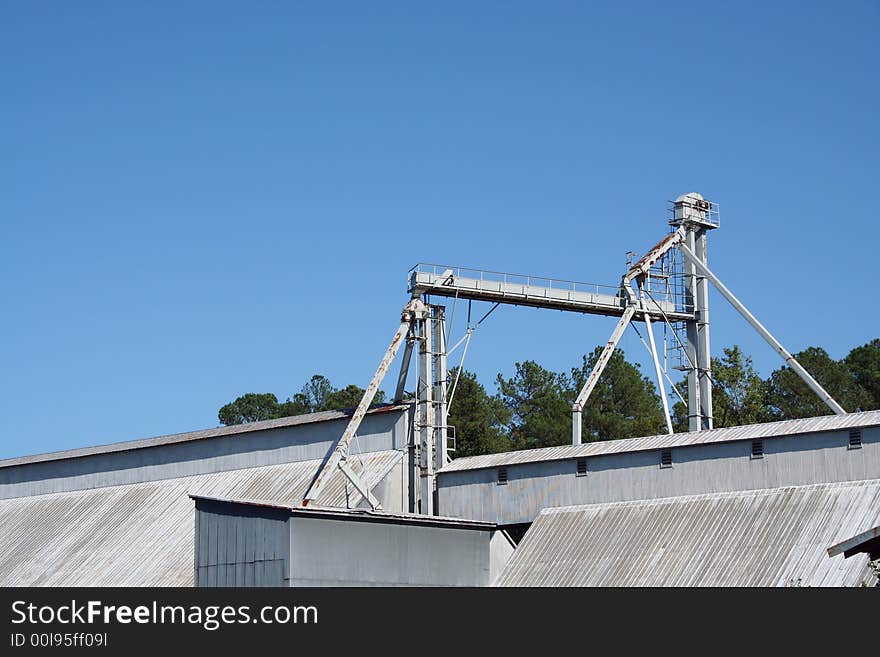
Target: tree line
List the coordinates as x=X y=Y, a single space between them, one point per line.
x=318 y=394
x=532 y=408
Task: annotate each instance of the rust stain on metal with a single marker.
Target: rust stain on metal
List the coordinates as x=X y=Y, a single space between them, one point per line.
x=658 y=250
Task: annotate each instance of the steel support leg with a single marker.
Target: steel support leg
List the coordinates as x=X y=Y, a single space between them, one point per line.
x=773 y=342
x=413 y=310
x=602 y=361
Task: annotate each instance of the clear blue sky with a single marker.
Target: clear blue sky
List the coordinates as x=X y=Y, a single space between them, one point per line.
x=204 y=199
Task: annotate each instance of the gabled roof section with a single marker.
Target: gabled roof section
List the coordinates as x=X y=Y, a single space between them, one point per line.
x=771 y=537
x=143 y=534
x=203 y=434
x=359 y=514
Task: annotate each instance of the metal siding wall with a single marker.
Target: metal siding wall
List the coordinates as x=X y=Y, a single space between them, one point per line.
x=392 y=491
x=716 y=467
x=240 y=550
x=268 y=447
x=500 y=551
x=332 y=552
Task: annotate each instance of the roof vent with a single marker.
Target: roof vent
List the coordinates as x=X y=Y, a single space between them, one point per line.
x=855 y=439
x=666 y=458
x=502 y=476
x=757 y=449
x=582 y=467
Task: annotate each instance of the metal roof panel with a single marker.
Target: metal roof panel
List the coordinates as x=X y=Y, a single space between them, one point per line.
x=664 y=441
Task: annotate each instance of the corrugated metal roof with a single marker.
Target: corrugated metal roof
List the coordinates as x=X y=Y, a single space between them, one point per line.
x=143 y=534
x=202 y=434
x=775 y=537
x=354 y=514
x=663 y=441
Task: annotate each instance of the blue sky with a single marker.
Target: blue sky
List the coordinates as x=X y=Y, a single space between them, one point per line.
x=204 y=199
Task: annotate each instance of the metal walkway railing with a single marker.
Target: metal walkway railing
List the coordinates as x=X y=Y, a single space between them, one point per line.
x=526 y=290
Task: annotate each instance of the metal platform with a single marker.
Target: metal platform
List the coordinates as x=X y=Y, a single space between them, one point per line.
x=534 y=291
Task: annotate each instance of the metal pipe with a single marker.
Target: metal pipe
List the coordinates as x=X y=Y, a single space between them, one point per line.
x=460 y=366
x=673 y=331
x=751 y=319
x=441 y=386
x=657 y=368
x=455 y=347
x=665 y=372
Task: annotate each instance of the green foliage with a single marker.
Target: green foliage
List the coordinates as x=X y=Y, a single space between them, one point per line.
x=316 y=395
x=679 y=410
x=789 y=397
x=533 y=407
x=740 y=396
x=251 y=407
x=624 y=403
x=349 y=397
x=539 y=403
x=738 y=391
x=297 y=405
x=479 y=419
x=864 y=364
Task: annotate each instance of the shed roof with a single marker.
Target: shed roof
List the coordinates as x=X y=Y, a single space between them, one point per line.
x=202 y=434
x=774 y=537
x=143 y=534
x=358 y=514
x=664 y=441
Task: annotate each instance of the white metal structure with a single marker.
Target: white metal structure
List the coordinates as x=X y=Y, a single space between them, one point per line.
x=413 y=312
x=662 y=293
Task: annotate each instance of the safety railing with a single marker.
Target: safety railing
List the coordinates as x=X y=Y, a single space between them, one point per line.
x=515 y=279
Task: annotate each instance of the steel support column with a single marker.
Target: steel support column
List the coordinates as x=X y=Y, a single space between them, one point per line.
x=425 y=417
x=695 y=415
x=704 y=360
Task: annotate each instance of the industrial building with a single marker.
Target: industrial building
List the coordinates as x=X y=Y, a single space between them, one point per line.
x=249 y=543
x=121 y=515
x=734 y=506
x=775 y=537
x=373 y=496
x=513 y=487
